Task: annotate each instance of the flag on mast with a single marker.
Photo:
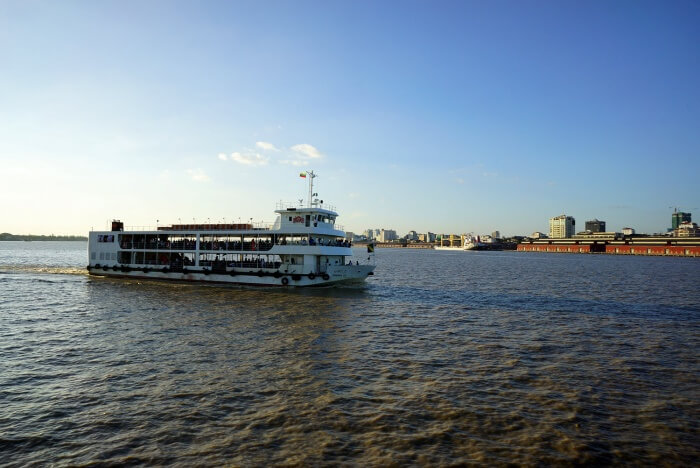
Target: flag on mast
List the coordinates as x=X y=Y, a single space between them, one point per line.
x=302 y=174
x=370 y=247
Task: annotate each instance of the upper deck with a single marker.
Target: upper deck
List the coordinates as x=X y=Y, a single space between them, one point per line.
x=315 y=218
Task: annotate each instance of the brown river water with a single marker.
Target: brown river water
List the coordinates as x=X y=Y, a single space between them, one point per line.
x=442 y=358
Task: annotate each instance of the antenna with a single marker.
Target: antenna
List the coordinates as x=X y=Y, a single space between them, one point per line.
x=311 y=176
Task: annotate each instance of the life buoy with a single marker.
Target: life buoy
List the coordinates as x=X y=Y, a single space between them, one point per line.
x=261 y=273
x=277 y=274
x=184 y=271
x=115 y=267
x=165 y=269
x=206 y=271
x=145 y=270
x=105 y=268
x=233 y=273
x=88 y=267
x=285 y=281
x=326 y=277
x=312 y=276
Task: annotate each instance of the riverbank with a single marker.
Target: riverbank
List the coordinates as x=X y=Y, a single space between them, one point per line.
x=6 y=236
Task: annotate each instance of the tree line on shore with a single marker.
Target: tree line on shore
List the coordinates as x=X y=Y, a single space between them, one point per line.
x=6 y=236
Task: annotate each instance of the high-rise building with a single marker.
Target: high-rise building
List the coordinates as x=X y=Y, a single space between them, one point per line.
x=561 y=227
x=679 y=217
x=496 y=234
x=387 y=235
x=595 y=226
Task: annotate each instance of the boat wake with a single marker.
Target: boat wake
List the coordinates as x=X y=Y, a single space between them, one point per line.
x=43 y=269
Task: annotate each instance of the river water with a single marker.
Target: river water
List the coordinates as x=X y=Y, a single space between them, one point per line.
x=441 y=358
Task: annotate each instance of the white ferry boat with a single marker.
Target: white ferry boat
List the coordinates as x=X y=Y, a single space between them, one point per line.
x=304 y=247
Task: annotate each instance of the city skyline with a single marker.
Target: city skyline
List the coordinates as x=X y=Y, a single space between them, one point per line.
x=442 y=117
x=674 y=221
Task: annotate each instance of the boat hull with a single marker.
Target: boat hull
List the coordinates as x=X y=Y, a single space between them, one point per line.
x=334 y=275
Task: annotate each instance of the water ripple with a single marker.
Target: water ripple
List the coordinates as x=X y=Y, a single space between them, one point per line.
x=440 y=359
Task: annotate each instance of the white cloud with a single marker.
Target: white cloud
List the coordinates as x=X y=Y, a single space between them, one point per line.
x=198 y=175
x=265 y=146
x=250 y=159
x=306 y=151
x=302 y=154
x=297 y=155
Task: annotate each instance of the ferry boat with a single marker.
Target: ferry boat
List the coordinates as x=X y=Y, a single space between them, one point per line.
x=304 y=247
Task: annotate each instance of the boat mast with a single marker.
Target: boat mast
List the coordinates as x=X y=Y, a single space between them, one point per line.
x=311 y=176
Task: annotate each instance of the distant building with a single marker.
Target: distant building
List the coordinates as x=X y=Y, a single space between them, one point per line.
x=412 y=236
x=687 y=229
x=387 y=235
x=561 y=227
x=628 y=231
x=496 y=235
x=679 y=217
x=538 y=235
x=427 y=237
x=595 y=226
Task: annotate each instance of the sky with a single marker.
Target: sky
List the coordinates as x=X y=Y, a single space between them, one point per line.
x=441 y=116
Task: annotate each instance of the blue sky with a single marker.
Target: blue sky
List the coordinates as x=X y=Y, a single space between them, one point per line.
x=441 y=116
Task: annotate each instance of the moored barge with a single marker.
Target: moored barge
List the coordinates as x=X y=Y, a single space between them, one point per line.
x=617 y=244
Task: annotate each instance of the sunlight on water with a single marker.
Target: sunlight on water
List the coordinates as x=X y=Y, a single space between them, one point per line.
x=441 y=358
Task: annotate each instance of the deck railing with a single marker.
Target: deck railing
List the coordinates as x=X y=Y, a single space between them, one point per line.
x=249 y=226
x=284 y=205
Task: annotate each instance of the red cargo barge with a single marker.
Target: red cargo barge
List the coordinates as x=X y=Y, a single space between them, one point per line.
x=621 y=245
